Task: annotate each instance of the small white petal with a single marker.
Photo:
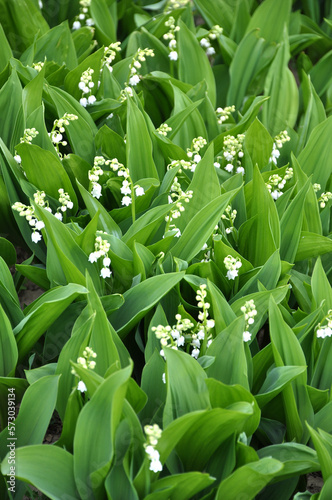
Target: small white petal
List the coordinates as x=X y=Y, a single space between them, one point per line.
x=39 y=225
x=105 y=272
x=36 y=237
x=81 y=386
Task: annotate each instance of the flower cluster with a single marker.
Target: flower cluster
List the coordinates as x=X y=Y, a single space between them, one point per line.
x=86 y=85
x=153 y=434
x=58 y=129
x=175 y=4
x=230 y=216
x=324 y=198
x=249 y=311
x=102 y=248
x=184 y=333
x=83 y=17
x=232 y=265
x=323 y=331
x=65 y=201
x=233 y=152
x=278 y=143
x=170 y=35
x=139 y=57
x=193 y=152
x=29 y=214
x=317 y=187
x=38 y=66
x=95 y=173
x=110 y=53
x=276 y=183
x=126 y=92
x=87 y=362
x=177 y=196
x=128 y=189
x=224 y=113
x=183 y=164
x=28 y=135
x=164 y=129
x=205 y=42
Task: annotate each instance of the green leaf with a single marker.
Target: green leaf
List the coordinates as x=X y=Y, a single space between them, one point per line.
x=249 y=479
x=105 y=22
x=49 y=180
x=182 y=486
x=323 y=445
x=8 y=347
x=139 y=146
x=140 y=299
x=35 y=413
x=6 y=51
x=194 y=65
x=315 y=156
x=200 y=227
x=287 y=352
x=281 y=109
x=10 y=103
x=312 y=245
x=271 y=18
x=42 y=466
x=275 y=381
x=105 y=221
x=42 y=314
x=93 y=452
x=7 y=252
x=186 y=388
x=321 y=288
x=258 y=143
x=230 y=366
x=290 y=235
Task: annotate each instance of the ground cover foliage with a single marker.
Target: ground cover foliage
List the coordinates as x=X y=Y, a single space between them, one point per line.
x=168 y=166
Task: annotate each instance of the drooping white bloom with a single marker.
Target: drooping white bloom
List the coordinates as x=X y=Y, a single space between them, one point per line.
x=105 y=272
x=232 y=274
x=197 y=158
x=58 y=215
x=134 y=80
x=96 y=190
x=81 y=386
x=210 y=51
x=76 y=25
x=229 y=167
x=163 y=378
x=240 y=170
x=84 y=102
x=173 y=55
x=92 y=99
x=139 y=191
x=35 y=236
x=81 y=85
x=89 y=22
x=126 y=200
x=39 y=225
x=246 y=336
x=195 y=353
x=17 y=158
x=205 y=43
x=210 y=323
x=93 y=257
x=106 y=262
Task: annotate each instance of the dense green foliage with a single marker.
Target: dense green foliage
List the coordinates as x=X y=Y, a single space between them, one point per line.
x=167 y=165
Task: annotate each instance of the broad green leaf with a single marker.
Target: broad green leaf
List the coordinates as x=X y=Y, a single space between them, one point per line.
x=183 y=486
x=154 y=387
x=297 y=458
x=6 y=51
x=290 y=235
x=200 y=227
x=8 y=295
x=56 y=45
x=42 y=466
x=42 y=314
x=281 y=109
x=73 y=77
x=271 y=17
x=224 y=395
x=194 y=65
x=244 y=67
x=105 y=22
x=186 y=388
x=139 y=146
x=11 y=106
x=83 y=127
x=49 y=180
x=312 y=245
x=249 y=479
x=262 y=225
x=94 y=451
x=320 y=75
x=140 y=299
x=35 y=413
x=219 y=12
x=258 y=143
x=8 y=347
x=287 y=352
x=197 y=435
x=314 y=158
x=275 y=381
x=321 y=288
x=146 y=226
x=223 y=314
x=105 y=221
x=230 y=366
